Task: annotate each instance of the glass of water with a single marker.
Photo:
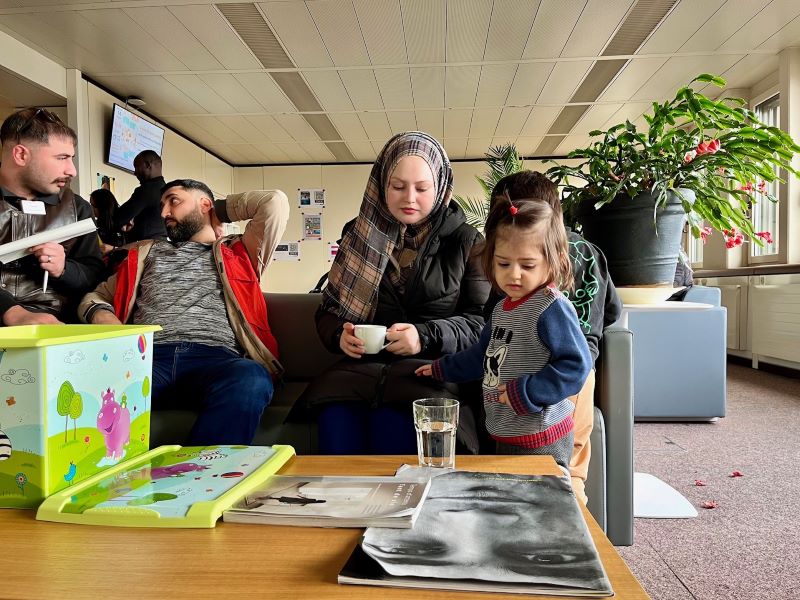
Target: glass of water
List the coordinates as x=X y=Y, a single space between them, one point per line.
x=436 y=421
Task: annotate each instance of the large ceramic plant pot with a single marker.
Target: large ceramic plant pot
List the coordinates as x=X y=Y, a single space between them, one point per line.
x=640 y=250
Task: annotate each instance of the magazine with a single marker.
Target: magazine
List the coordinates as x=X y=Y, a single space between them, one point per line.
x=492 y=532
x=332 y=502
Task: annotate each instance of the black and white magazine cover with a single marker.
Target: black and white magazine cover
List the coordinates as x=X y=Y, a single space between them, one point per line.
x=489 y=532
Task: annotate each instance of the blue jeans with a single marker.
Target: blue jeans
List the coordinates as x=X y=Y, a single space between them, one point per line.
x=351 y=428
x=229 y=392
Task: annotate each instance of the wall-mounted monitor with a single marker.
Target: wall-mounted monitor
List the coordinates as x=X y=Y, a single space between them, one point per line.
x=130 y=134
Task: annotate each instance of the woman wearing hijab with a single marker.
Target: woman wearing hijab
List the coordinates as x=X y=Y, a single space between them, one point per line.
x=407 y=262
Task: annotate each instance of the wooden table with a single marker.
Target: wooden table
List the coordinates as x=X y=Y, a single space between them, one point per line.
x=44 y=560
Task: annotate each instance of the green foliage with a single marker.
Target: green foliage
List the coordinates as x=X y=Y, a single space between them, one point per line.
x=623 y=161
x=502 y=161
x=64 y=403
x=75 y=411
x=146 y=387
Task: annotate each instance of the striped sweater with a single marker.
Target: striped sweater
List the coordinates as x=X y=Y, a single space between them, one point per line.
x=536 y=348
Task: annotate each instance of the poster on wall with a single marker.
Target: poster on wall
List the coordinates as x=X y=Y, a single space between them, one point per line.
x=287 y=251
x=312 y=227
x=311 y=198
x=333 y=250
x=106 y=182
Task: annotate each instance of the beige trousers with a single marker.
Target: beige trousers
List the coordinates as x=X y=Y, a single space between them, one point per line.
x=581 y=448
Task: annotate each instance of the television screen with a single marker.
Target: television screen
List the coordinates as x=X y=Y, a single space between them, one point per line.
x=130 y=134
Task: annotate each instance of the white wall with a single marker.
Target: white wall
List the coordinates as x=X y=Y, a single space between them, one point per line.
x=344 y=187
x=182 y=158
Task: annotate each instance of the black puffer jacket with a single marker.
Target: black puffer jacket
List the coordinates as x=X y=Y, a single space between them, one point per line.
x=444 y=294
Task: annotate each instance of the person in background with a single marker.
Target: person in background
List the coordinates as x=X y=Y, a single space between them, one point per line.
x=35 y=171
x=595 y=299
x=407 y=263
x=104 y=208
x=144 y=205
x=532 y=354
x=215 y=353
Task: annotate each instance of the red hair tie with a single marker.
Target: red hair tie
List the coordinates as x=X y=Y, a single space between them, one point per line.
x=513 y=210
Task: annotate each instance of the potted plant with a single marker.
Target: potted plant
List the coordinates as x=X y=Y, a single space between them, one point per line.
x=699 y=159
x=501 y=160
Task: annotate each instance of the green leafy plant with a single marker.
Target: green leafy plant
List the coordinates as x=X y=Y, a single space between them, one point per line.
x=501 y=160
x=716 y=148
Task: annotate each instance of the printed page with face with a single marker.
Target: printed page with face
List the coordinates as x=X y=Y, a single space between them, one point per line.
x=487 y=532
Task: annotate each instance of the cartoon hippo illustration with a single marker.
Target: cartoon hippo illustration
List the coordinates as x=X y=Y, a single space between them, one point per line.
x=114 y=422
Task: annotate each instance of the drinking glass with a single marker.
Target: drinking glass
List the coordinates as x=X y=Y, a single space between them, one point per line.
x=436 y=421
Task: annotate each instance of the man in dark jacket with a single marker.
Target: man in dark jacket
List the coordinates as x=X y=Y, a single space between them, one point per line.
x=144 y=205
x=35 y=197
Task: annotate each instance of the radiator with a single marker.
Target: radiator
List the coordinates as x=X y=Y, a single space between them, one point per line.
x=775 y=312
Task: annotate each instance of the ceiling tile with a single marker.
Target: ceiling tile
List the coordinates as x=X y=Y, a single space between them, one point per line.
x=570 y=143
x=120 y=27
x=477 y=147
x=428 y=87
x=529 y=81
x=272 y=130
x=511 y=121
x=596 y=118
x=362 y=89
x=349 y=125
x=341 y=34
x=329 y=90
x=526 y=146
x=295 y=153
x=679 y=25
x=784 y=38
x=297 y=127
x=161 y=96
x=678 y=71
x=363 y=151
x=318 y=152
x=402 y=121
x=457 y=123
x=264 y=89
x=395 y=87
x=287 y=19
x=495 y=84
x=595 y=27
x=425 y=26
x=163 y=25
x=563 y=80
x=509 y=28
x=377 y=126
x=461 y=86
x=382 y=27
x=466 y=29
x=431 y=122
x=233 y=92
x=216 y=34
x=772 y=19
x=632 y=77
x=193 y=86
x=218 y=129
x=456 y=148
x=554 y=22
x=484 y=122
x=722 y=25
x=540 y=119
x=242 y=127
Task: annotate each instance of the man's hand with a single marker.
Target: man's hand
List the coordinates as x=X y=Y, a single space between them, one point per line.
x=349 y=343
x=424 y=371
x=403 y=339
x=16 y=315
x=51 y=258
x=105 y=317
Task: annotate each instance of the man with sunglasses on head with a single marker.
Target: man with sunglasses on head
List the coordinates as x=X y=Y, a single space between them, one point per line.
x=35 y=170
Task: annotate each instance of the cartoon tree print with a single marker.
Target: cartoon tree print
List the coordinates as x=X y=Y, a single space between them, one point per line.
x=75 y=411
x=64 y=404
x=21 y=480
x=146 y=386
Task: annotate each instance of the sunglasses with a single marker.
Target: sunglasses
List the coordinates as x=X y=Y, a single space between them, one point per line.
x=42 y=115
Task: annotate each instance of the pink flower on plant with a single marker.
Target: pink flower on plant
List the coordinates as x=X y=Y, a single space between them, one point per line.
x=765 y=235
x=705 y=232
x=733 y=238
x=762 y=187
x=747 y=187
x=710 y=147
x=689 y=156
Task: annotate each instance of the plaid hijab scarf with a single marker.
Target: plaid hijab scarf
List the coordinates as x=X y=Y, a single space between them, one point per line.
x=377 y=238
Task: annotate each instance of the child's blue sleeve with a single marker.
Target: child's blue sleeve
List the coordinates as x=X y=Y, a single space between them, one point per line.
x=466 y=365
x=570 y=362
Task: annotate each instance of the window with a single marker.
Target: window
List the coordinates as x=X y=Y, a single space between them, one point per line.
x=765 y=213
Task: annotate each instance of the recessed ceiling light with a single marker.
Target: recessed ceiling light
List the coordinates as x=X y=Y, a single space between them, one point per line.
x=135 y=101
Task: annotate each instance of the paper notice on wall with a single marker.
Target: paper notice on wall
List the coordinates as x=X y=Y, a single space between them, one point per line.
x=312 y=227
x=333 y=250
x=311 y=198
x=287 y=251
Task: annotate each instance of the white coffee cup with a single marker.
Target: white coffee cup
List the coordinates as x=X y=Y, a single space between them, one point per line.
x=373 y=336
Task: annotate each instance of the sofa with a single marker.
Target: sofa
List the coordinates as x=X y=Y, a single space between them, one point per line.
x=291 y=316
x=680 y=360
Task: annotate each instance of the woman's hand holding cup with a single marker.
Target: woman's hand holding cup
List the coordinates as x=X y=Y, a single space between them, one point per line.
x=403 y=339
x=349 y=343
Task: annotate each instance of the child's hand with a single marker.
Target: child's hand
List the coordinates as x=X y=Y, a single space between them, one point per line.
x=424 y=371
x=503 y=397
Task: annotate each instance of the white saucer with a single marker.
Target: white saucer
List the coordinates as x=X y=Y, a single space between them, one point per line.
x=645 y=295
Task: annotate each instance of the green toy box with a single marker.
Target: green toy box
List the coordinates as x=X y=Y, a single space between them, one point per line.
x=74 y=399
